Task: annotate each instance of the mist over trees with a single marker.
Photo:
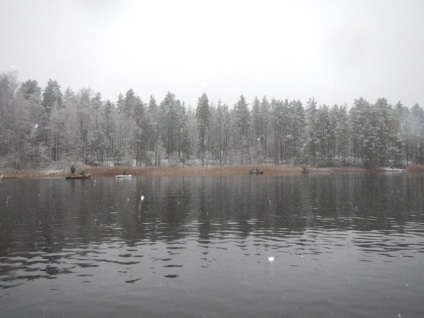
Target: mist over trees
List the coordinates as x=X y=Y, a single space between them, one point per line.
x=40 y=126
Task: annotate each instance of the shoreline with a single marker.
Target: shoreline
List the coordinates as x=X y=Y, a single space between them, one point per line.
x=268 y=170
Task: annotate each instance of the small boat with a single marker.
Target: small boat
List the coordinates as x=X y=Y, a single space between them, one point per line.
x=7 y=177
x=85 y=176
x=256 y=172
x=123 y=176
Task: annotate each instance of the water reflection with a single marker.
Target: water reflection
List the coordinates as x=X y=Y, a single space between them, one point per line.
x=102 y=229
x=51 y=214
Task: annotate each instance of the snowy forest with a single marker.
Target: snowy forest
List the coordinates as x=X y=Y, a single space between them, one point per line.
x=41 y=126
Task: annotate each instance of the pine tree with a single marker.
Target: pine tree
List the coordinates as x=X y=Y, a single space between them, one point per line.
x=265 y=124
x=30 y=94
x=52 y=102
x=417 y=133
x=153 y=131
x=52 y=96
x=310 y=148
x=242 y=122
x=168 y=122
x=203 y=119
x=108 y=128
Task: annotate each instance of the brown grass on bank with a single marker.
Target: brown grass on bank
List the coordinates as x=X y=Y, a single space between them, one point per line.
x=193 y=171
x=241 y=170
x=415 y=169
x=29 y=174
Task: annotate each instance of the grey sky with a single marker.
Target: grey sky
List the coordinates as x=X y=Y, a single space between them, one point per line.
x=335 y=51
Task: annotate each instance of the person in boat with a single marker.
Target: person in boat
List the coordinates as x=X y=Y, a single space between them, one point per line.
x=72 y=169
x=82 y=173
x=305 y=169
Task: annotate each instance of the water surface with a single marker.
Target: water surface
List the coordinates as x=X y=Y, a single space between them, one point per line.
x=255 y=246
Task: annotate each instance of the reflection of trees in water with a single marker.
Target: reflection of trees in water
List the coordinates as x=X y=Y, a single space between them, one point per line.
x=39 y=219
x=51 y=214
x=163 y=212
x=382 y=202
x=292 y=204
x=238 y=207
x=38 y=224
x=204 y=209
x=18 y=215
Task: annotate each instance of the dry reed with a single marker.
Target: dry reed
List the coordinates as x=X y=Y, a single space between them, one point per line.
x=29 y=174
x=240 y=170
x=415 y=169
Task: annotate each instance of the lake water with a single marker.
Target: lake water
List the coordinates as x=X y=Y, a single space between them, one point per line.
x=346 y=245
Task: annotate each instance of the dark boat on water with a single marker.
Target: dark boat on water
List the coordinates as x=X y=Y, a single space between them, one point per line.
x=85 y=176
x=256 y=172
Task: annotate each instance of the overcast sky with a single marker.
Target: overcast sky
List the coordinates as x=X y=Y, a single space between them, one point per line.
x=334 y=51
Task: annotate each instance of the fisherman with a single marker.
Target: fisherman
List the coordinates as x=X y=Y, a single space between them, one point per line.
x=72 y=169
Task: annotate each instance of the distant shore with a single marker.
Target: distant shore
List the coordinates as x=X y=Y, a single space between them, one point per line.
x=241 y=170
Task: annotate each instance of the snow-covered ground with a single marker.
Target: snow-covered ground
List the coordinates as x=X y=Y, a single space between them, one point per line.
x=387 y=169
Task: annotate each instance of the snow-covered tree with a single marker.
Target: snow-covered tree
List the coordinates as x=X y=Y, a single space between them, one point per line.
x=203 y=118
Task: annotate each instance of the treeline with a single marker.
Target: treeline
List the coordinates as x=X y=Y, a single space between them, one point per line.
x=40 y=126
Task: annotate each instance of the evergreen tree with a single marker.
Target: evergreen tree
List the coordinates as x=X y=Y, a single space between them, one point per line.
x=31 y=91
x=108 y=127
x=168 y=122
x=52 y=101
x=242 y=122
x=203 y=118
x=153 y=132
x=225 y=129
x=84 y=120
x=310 y=148
x=417 y=133
x=297 y=129
x=141 y=128
x=37 y=126
x=256 y=133
x=71 y=131
x=52 y=96
x=97 y=143
x=33 y=112
x=183 y=137
x=131 y=101
x=264 y=124
x=343 y=134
